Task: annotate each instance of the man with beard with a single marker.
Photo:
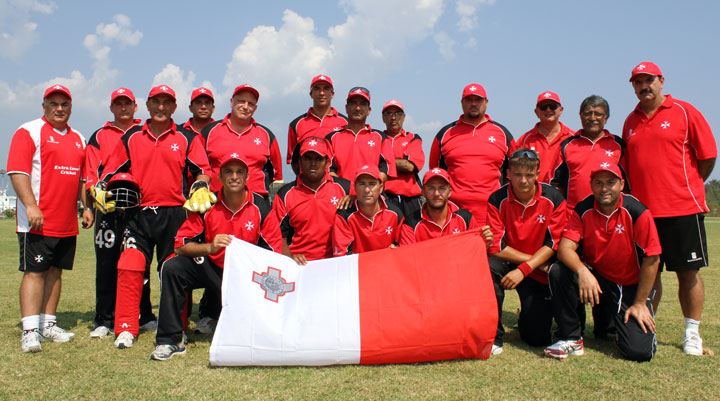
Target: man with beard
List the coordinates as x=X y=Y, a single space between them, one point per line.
x=202 y=106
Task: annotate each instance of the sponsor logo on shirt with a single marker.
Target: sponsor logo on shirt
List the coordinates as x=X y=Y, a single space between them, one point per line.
x=68 y=170
x=52 y=140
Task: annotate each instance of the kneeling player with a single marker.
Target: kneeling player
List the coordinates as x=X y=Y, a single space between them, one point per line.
x=526 y=218
x=620 y=257
x=200 y=252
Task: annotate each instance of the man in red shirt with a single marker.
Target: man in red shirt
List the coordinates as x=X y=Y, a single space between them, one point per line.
x=547 y=135
x=474 y=151
x=319 y=120
x=526 y=218
x=110 y=226
x=671 y=151
x=614 y=273
x=200 y=250
x=305 y=209
x=45 y=164
x=202 y=106
x=370 y=223
x=409 y=159
x=588 y=148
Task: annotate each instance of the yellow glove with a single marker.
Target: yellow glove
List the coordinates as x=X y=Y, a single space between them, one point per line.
x=201 y=199
x=100 y=196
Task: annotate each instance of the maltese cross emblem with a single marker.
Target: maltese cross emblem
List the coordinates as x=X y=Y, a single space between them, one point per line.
x=273 y=284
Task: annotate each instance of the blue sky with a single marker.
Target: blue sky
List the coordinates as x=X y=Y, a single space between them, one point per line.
x=421 y=52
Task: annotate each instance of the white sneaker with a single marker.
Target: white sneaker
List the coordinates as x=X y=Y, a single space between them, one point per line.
x=564 y=348
x=124 y=340
x=163 y=352
x=100 y=332
x=150 y=326
x=692 y=344
x=55 y=333
x=206 y=325
x=31 y=341
x=496 y=350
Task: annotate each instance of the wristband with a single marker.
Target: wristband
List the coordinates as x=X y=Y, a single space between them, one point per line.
x=525 y=269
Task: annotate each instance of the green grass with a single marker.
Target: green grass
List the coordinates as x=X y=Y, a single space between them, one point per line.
x=93 y=369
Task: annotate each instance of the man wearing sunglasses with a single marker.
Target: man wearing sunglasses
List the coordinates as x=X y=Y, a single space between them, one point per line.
x=671 y=151
x=547 y=135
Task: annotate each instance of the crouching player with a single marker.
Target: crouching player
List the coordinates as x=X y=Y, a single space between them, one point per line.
x=526 y=218
x=620 y=257
x=200 y=250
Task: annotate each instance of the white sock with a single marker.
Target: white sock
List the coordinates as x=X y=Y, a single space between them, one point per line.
x=692 y=326
x=31 y=322
x=46 y=320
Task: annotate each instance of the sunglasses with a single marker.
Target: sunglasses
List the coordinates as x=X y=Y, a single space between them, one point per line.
x=551 y=106
x=525 y=153
x=361 y=89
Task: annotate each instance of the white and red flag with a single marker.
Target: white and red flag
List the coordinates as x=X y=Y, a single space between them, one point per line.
x=429 y=301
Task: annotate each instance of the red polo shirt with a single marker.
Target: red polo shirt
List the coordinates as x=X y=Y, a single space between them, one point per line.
x=101 y=144
x=419 y=227
x=408 y=146
x=614 y=245
x=352 y=151
x=662 y=155
x=306 y=123
x=355 y=232
x=549 y=152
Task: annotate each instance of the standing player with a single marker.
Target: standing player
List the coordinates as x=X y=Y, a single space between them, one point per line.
x=474 y=151
x=671 y=152
x=409 y=159
x=202 y=107
x=45 y=165
x=158 y=154
x=319 y=120
x=547 y=135
x=110 y=225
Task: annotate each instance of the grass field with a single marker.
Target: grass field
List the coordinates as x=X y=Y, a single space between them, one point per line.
x=94 y=370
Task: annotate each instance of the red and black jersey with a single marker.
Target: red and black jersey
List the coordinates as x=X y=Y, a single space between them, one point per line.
x=249 y=223
x=408 y=146
x=614 y=245
x=160 y=164
x=419 y=227
x=101 y=144
x=549 y=152
x=352 y=151
x=308 y=123
x=662 y=157
x=476 y=158
x=355 y=232
x=579 y=156
x=306 y=216
x=54 y=162
x=527 y=228
x=188 y=126
x=256 y=145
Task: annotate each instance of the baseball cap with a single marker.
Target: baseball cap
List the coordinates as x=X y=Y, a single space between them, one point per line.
x=57 y=89
x=646 y=67
x=605 y=166
x=232 y=157
x=474 y=90
x=162 y=90
x=437 y=172
x=370 y=170
x=314 y=144
x=548 y=96
x=122 y=92
x=246 y=87
x=359 y=91
x=321 y=78
x=201 y=91
x=395 y=103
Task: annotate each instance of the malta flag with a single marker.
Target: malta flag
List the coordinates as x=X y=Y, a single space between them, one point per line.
x=429 y=301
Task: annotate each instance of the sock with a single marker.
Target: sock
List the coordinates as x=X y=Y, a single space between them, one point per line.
x=47 y=320
x=692 y=326
x=31 y=322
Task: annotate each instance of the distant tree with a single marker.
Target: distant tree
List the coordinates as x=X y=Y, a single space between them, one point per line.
x=712 y=196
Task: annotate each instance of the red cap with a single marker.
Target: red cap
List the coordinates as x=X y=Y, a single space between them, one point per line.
x=474 y=89
x=57 y=89
x=321 y=78
x=317 y=145
x=548 y=96
x=395 y=103
x=162 y=90
x=247 y=87
x=201 y=91
x=605 y=166
x=359 y=91
x=437 y=172
x=232 y=157
x=121 y=92
x=646 y=67
x=372 y=171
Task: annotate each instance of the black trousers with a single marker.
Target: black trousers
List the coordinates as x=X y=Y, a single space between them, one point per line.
x=408 y=204
x=535 y=320
x=615 y=299
x=178 y=275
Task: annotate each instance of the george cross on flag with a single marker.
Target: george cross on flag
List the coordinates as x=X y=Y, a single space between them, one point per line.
x=429 y=301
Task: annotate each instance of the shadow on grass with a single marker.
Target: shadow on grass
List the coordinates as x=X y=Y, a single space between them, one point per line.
x=70 y=320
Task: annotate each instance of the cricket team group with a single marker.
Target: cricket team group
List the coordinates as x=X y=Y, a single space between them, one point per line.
x=569 y=218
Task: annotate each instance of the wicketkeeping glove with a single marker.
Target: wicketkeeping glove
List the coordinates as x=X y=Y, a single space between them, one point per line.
x=100 y=196
x=201 y=199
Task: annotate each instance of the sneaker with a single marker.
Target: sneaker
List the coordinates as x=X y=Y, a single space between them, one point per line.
x=124 y=340
x=100 y=332
x=496 y=350
x=150 y=326
x=31 y=341
x=55 y=333
x=561 y=349
x=163 y=352
x=206 y=325
x=692 y=344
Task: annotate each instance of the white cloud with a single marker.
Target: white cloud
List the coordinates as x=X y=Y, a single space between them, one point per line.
x=17 y=32
x=445 y=45
x=467 y=11
x=183 y=84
